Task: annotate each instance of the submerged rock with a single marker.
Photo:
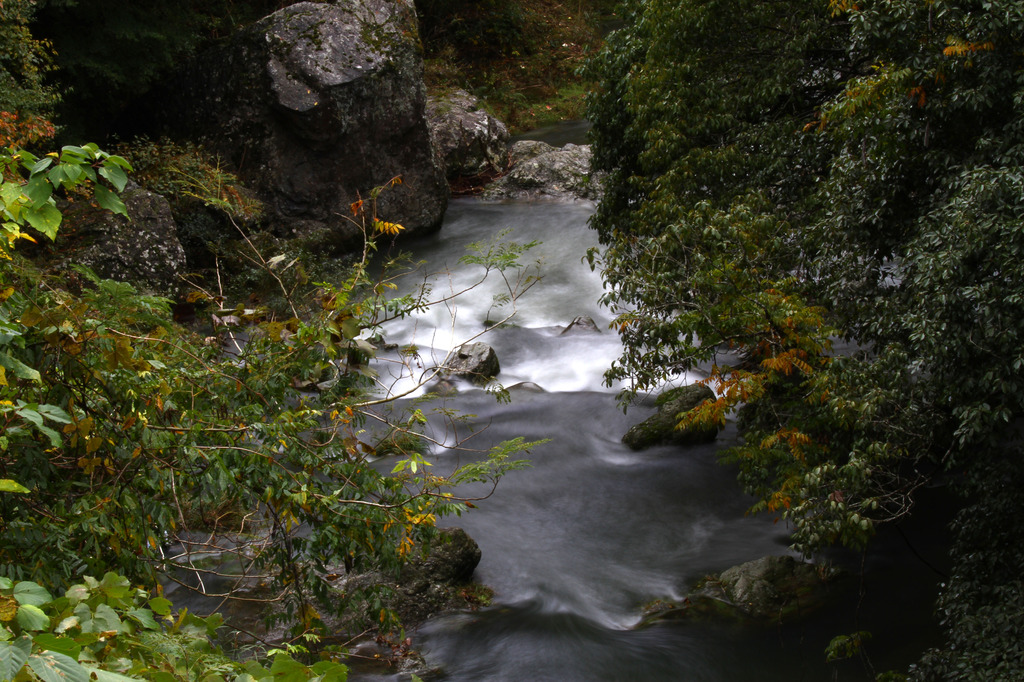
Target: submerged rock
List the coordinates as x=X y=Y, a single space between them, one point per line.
x=661 y=427
x=526 y=387
x=315 y=105
x=583 y=324
x=543 y=171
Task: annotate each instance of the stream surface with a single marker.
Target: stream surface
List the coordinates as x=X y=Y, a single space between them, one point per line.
x=578 y=543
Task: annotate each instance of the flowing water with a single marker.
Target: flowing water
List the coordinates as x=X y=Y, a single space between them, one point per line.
x=578 y=543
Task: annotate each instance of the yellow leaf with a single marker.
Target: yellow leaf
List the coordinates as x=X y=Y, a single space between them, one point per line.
x=386 y=227
x=31 y=317
x=8 y=609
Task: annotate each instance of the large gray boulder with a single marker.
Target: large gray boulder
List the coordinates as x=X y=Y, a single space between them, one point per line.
x=661 y=428
x=142 y=250
x=542 y=171
x=315 y=106
x=469 y=140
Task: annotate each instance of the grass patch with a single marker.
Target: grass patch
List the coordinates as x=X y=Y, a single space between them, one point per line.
x=521 y=57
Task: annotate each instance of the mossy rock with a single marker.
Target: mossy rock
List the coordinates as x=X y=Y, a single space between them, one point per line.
x=769 y=590
x=661 y=427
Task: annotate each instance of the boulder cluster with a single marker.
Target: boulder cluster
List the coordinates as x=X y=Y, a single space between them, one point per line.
x=314 y=107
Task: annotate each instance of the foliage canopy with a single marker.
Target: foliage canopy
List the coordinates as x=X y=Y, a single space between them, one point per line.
x=788 y=175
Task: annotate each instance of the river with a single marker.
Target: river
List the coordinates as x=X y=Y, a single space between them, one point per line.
x=578 y=543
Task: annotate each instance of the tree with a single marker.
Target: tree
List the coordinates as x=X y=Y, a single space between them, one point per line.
x=26 y=101
x=108 y=54
x=771 y=192
x=700 y=120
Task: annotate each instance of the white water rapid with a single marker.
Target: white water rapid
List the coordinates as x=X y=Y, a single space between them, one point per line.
x=575 y=545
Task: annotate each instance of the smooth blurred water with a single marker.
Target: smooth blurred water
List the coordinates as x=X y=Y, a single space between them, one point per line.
x=530 y=347
x=575 y=545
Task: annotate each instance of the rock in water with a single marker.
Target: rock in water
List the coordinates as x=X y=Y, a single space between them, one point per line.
x=542 y=171
x=582 y=324
x=660 y=428
x=469 y=140
x=317 y=104
x=772 y=589
x=476 y=361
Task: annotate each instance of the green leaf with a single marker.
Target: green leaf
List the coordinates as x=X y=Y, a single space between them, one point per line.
x=54 y=413
x=13 y=656
x=287 y=669
x=110 y=201
x=105 y=619
x=77 y=593
x=118 y=161
x=161 y=676
x=50 y=434
x=107 y=676
x=31 y=414
x=45 y=218
x=115 y=586
x=115 y=175
x=32 y=618
x=54 y=667
x=351 y=328
x=62 y=645
x=58 y=176
x=329 y=671
x=10 y=193
x=73 y=172
x=41 y=165
x=18 y=368
x=160 y=606
x=72 y=154
x=144 y=617
x=245 y=677
x=30 y=593
x=67 y=624
x=9 y=486
x=38 y=189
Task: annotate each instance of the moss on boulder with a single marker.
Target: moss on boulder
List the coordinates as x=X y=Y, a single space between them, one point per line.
x=662 y=427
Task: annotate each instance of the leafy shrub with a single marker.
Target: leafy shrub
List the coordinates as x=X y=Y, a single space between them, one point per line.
x=117 y=423
x=108 y=630
x=183 y=171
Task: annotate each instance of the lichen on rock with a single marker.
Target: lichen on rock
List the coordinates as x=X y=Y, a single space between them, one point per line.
x=142 y=249
x=541 y=171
